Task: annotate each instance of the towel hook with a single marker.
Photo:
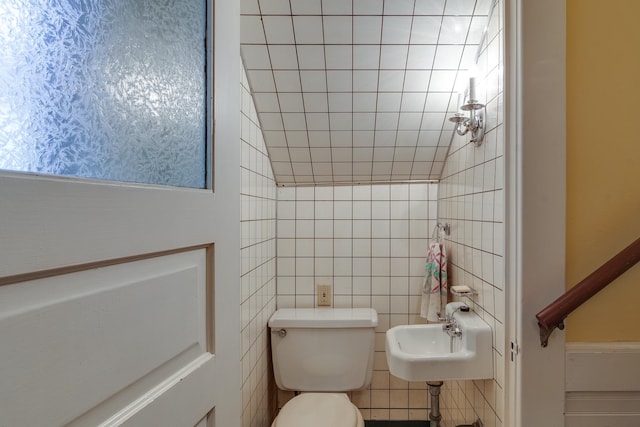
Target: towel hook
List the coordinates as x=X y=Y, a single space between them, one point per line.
x=444 y=228
x=441 y=229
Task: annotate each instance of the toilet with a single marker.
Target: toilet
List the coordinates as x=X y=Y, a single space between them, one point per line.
x=322 y=353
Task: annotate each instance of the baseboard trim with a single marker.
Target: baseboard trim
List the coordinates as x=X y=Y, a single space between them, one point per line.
x=602 y=385
x=603 y=402
x=602 y=420
x=602 y=366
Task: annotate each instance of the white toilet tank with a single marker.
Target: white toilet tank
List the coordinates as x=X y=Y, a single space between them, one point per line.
x=323 y=349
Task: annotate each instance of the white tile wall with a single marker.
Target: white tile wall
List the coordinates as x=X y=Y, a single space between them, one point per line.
x=258 y=267
x=472 y=200
x=336 y=53
x=369 y=242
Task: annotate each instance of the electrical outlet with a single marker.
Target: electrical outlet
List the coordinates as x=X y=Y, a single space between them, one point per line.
x=323 y=297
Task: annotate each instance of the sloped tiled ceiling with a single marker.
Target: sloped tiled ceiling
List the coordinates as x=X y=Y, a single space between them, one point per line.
x=354 y=91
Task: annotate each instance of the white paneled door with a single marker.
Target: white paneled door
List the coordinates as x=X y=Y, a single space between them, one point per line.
x=119 y=303
x=106 y=304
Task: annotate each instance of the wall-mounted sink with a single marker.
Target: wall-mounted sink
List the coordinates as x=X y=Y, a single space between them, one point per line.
x=429 y=353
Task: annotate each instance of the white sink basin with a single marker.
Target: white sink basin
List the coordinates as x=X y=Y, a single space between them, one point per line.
x=428 y=353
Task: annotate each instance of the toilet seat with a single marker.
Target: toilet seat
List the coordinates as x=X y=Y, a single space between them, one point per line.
x=319 y=410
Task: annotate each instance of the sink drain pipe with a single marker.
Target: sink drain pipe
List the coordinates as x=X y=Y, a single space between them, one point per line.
x=434 y=414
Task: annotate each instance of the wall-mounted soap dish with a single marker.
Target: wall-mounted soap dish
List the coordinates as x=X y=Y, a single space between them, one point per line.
x=463 y=291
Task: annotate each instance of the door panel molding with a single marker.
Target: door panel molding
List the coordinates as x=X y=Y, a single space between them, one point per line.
x=101 y=344
x=35 y=275
x=54 y=223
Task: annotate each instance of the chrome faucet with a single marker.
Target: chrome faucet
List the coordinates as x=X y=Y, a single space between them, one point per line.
x=451 y=326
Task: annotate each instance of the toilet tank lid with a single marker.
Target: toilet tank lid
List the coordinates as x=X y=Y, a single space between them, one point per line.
x=324 y=318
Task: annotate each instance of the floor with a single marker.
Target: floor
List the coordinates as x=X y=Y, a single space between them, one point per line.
x=373 y=423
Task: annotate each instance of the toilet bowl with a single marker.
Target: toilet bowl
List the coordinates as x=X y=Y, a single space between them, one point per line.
x=323 y=353
x=319 y=410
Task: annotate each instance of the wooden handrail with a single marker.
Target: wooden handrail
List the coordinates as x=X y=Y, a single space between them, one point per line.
x=553 y=315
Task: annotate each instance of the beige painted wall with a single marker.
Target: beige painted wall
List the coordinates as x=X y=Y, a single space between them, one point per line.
x=603 y=161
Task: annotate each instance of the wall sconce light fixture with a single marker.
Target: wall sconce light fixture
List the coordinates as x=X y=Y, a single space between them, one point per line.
x=475 y=121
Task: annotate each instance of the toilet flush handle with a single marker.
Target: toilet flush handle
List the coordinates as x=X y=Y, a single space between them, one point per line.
x=281 y=332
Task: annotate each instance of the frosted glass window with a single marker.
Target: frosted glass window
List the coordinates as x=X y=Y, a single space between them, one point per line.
x=106 y=89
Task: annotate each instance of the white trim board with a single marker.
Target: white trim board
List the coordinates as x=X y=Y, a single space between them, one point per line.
x=603 y=366
x=602 y=385
x=535 y=191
